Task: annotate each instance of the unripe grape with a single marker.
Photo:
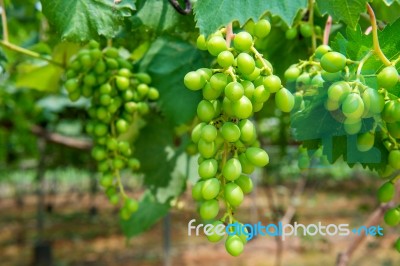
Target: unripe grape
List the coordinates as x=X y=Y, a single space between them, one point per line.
x=196 y=191
x=262 y=28
x=216 y=44
x=225 y=59
x=243 y=41
x=388 y=77
x=196 y=132
x=248 y=87
x=373 y=101
x=99 y=153
x=243 y=108
x=122 y=126
x=205 y=111
x=143 y=77
x=272 y=83
x=201 y=43
x=245 y=63
x=394 y=159
x=209 y=133
x=132 y=205
x=365 y=141
x=306 y=30
x=394 y=129
x=247 y=166
x=247 y=131
x=134 y=164
x=257 y=156
x=234 y=91
x=386 y=192
x=333 y=62
x=338 y=91
x=233 y=194
x=210 y=188
x=284 y=100
x=219 y=81
x=230 y=132
x=292 y=73
x=100 y=129
x=353 y=106
x=303 y=80
x=232 y=169
x=392 y=217
x=291 y=33
x=352 y=125
x=245 y=183
x=209 y=209
x=261 y=94
x=71 y=85
x=234 y=245
x=206 y=149
x=194 y=81
x=106 y=181
x=208 y=168
x=214 y=237
x=321 y=50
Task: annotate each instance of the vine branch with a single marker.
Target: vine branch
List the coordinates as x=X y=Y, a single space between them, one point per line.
x=327 y=30
x=375 y=40
x=179 y=9
x=4 y=20
x=311 y=22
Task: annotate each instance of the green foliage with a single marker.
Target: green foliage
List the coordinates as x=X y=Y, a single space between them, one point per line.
x=211 y=15
x=167 y=61
x=84 y=20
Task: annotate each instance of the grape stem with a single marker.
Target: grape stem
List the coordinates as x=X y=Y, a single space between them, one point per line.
x=327 y=30
x=231 y=73
x=116 y=171
x=311 y=22
x=377 y=48
x=261 y=58
x=362 y=62
x=229 y=34
x=228 y=207
x=4 y=20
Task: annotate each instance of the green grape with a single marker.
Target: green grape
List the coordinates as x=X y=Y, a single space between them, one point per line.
x=124 y=148
x=338 y=91
x=230 y=132
x=249 y=26
x=106 y=181
x=245 y=63
x=394 y=159
x=272 y=83
x=234 y=245
x=394 y=129
x=261 y=94
x=143 y=77
x=205 y=111
x=254 y=75
x=100 y=129
x=210 y=188
x=122 y=82
x=209 y=209
x=321 y=50
x=386 y=192
x=353 y=106
x=209 y=133
x=233 y=194
x=134 y=164
x=374 y=102
x=225 y=59
x=247 y=166
x=214 y=236
x=306 y=30
x=331 y=76
x=243 y=108
x=196 y=132
x=132 y=205
x=194 y=81
x=248 y=88
x=243 y=41
x=291 y=33
x=292 y=73
x=317 y=81
x=86 y=61
x=197 y=191
x=118 y=163
x=122 y=126
x=365 y=141
x=153 y=94
x=206 y=149
x=262 y=28
x=216 y=44
x=392 y=217
x=352 y=125
x=257 y=156
x=209 y=93
x=391 y=111
x=247 y=131
x=388 y=77
x=71 y=85
x=333 y=62
x=284 y=100
x=208 y=168
x=99 y=153
x=234 y=91
x=142 y=89
x=114 y=199
x=303 y=80
x=201 y=43
x=219 y=81
x=111 y=52
x=232 y=169
x=245 y=183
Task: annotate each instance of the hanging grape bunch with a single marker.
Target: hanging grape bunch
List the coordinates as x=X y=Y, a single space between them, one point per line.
x=118 y=97
x=239 y=84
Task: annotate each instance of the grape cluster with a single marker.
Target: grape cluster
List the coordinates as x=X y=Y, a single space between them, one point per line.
x=238 y=85
x=305 y=28
x=118 y=96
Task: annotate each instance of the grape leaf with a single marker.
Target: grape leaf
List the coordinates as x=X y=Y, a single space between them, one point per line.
x=390 y=2
x=150 y=212
x=160 y=16
x=347 y=11
x=167 y=61
x=83 y=20
x=211 y=15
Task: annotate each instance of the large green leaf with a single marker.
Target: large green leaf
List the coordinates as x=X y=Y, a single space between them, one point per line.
x=211 y=14
x=167 y=61
x=149 y=212
x=160 y=16
x=347 y=11
x=83 y=20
